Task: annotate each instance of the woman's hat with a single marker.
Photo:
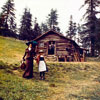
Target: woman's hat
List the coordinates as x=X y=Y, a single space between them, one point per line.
x=34 y=43
x=41 y=51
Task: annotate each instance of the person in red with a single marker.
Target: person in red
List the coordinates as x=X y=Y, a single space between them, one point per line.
x=28 y=58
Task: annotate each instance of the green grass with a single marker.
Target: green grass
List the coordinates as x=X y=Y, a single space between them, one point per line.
x=93 y=59
x=11 y=50
x=64 y=81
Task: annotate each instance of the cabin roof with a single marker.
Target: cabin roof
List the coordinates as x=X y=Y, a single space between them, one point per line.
x=59 y=34
x=49 y=32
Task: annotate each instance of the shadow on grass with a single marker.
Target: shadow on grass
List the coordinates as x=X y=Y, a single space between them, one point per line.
x=35 y=75
x=8 y=68
x=1 y=98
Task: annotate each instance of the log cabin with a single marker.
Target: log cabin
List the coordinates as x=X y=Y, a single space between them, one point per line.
x=57 y=47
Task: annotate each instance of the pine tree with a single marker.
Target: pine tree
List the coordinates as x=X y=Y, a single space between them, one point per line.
x=71 y=32
x=91 y=20
x=97 y=40
x=1 y=21
x=26 y=26
x=79 y=30
x=8 y=16
x=36 y=30
x=52 y=20
x=44 y=27
x=81 y=36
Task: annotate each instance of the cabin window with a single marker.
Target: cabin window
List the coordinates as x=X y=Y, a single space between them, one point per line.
x=41 y=44
x=51 y=47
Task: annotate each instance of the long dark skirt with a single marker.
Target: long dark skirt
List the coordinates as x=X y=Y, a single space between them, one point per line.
x=29 y=69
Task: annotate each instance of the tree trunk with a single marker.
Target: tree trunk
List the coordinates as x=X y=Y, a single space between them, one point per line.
x=92 y=46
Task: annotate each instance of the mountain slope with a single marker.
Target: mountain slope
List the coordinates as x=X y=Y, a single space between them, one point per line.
x=11 y=50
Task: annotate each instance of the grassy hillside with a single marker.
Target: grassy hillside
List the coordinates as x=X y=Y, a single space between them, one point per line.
x=11 y=50
x=64 y=81
x=93 y=59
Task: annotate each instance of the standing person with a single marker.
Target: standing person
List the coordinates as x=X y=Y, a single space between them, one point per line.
x=41 y=65
x=51 y=48
x=29 y=57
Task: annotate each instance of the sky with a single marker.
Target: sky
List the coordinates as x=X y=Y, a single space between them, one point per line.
x=41 y=9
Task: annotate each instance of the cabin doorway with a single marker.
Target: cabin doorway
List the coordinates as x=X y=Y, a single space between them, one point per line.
x=61 y=59
x=51 y=47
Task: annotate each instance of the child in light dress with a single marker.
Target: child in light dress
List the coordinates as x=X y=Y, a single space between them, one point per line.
x=41 y=65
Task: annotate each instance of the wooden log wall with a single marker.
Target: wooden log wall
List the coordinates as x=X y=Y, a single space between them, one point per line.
x=60 y=47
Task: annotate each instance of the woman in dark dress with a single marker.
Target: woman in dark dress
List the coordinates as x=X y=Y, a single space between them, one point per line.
x=29 y=57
